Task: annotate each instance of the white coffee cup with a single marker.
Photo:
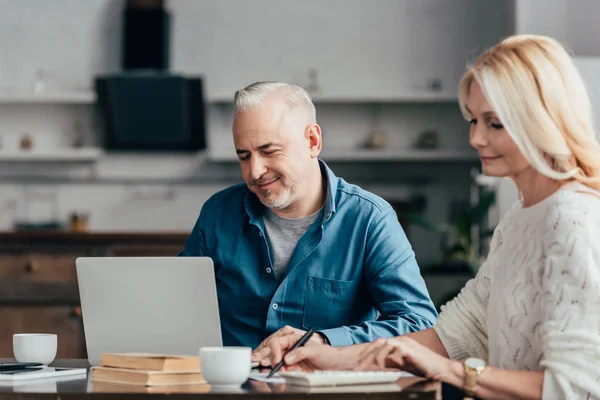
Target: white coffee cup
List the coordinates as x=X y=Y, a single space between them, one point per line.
x=35 y=347
x=225 y=367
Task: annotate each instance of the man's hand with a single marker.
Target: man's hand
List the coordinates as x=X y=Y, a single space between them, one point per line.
x=274 y=342
x=314 y=356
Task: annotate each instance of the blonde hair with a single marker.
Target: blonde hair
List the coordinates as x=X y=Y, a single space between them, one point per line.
x=539 y=96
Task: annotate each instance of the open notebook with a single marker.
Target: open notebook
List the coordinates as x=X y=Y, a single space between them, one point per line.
x=44 y=373
x=341 y=378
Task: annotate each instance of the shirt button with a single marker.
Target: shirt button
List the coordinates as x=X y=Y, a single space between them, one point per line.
x=275 y=306
x=268 y=270
x=260 y=234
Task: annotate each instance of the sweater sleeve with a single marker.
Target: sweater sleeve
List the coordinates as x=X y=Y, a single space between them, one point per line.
x=461 y=325
x=570 y=296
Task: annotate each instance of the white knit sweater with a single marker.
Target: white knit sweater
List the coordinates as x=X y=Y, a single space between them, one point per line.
x=535 y=303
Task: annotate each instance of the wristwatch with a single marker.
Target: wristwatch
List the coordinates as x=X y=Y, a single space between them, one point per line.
x=325 y=338
x=473 y=368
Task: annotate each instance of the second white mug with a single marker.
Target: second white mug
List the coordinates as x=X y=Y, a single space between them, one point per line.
x=225 y=367
x=35 y=347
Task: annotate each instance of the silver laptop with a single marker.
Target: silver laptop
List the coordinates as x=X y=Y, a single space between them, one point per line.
x=148 y=304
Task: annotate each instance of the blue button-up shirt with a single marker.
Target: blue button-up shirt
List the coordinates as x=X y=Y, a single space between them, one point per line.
x=353 y=275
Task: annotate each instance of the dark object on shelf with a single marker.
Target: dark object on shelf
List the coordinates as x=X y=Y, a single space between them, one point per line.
x=36 y=226
x=377 y=139
x=26 y=142
x=79 y=222
x=152 y=111
x=435 y=85
x=78 y=135
x=428 y=140
x=146 y=36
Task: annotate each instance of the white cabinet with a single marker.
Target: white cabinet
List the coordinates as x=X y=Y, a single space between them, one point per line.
x=444 y=36
x=573 y=23
x=340 y=50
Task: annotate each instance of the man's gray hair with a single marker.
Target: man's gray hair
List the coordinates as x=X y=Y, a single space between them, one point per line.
x=254 y=94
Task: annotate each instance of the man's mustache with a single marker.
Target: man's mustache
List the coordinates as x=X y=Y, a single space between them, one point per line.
x=264 y=181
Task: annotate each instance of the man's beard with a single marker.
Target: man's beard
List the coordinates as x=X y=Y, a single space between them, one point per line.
x=284 y=200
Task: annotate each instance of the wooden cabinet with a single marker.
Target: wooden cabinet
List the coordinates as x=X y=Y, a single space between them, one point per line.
x=339 y=50
x=34 y=278
x=38 y=280
x=141 y=250
x=38 y=267
x=65 y=321
x=38 y=294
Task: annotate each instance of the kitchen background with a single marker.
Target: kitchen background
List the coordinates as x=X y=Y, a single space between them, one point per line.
x=383 y=75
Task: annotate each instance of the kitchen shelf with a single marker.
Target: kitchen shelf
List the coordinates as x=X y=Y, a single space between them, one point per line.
x=341 y=154
x=88 y=154
x=48 y=98
x=227 y=99
x=416 y=97
x=358 y=155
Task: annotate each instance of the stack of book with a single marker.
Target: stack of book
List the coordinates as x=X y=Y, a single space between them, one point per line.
x=148 y=370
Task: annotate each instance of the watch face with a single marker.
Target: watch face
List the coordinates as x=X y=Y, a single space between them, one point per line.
x=475 y=363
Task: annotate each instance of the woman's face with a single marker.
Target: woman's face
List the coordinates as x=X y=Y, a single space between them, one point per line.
x=499 y=154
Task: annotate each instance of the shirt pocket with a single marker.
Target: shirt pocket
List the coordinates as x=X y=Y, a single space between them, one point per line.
x=329 y=303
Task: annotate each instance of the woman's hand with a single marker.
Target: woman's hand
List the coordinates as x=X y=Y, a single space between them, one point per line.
x=407 y=355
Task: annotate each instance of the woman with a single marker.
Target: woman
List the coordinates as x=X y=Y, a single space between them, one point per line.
x=529 y=322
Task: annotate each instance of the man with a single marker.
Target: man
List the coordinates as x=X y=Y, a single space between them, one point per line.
x=295 y=247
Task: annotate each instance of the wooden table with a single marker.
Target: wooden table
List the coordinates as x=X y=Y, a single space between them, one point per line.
x=85 y=388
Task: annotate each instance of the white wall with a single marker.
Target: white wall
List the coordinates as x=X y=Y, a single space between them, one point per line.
x=574 y=23
x=70 y=40
x=73 y=40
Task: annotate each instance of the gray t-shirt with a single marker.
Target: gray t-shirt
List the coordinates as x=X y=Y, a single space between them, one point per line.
x=283 y=235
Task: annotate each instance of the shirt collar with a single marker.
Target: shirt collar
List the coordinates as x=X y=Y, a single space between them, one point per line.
x=332 y=185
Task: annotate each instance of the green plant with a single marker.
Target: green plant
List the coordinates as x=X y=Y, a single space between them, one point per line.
x=462 y=248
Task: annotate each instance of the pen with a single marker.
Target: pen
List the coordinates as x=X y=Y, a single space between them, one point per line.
x=13 y=366
x=20 y=364
x=20 y=371
x=299 y=343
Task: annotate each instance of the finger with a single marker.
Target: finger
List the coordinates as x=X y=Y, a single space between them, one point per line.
x=286 y=330
x=302 y=354
x=283 y=331
x=255 y=355
x=369 y=363
x=279 y=345
x=262 y=353
x=263 y=347
x=265 y=362
x=371 y=347
x=395 y=360
x=366 y=350
x=367 y=356
x=382 y=355
x=260 y=347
